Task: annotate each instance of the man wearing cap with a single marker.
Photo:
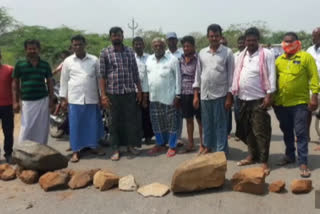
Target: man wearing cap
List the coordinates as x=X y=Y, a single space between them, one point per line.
x=172 y=42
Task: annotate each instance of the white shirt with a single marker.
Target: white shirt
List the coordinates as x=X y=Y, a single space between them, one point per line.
x=79 y=83
x=250 y=87
x=316 y=55
x=215 y=73
x=163 y=78
x=178 y=53
x=141 y=63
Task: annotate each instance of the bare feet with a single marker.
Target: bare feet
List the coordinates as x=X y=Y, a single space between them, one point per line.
x=265 y=168
x=115 y=156
x=317 y=148
x=75 y=157
x=247 y=161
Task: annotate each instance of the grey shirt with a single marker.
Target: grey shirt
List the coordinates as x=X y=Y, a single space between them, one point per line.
x=215 y=72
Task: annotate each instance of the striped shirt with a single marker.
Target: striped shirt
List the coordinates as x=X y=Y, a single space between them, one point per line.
x=33 y=85
x=188 y=73
x=120 y=70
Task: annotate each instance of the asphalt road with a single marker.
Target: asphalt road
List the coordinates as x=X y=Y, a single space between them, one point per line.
x=16 y=197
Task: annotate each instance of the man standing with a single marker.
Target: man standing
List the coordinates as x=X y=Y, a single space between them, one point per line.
x=79 y=89
x=119 y=80
x=141 y=57
x=172 y=42
x=6 y=112
x=163 y=78
x=315 y=52
x=297 y=74
x=254 y=82
x=214 y=80
x=32 y=80
x=188 y=67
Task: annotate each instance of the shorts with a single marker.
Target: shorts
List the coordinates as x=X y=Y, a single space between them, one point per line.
x=188 y=110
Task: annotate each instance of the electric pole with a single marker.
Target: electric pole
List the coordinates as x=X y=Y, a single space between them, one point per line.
x=134 y=25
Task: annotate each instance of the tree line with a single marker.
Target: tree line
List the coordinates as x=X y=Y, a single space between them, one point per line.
x=55 y=40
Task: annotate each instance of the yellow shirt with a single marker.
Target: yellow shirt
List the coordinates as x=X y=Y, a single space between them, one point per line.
x=296 y=76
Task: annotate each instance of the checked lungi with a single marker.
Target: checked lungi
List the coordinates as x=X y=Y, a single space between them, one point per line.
x=164 y=123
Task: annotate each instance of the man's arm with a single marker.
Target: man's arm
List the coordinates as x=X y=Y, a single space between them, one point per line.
x=16 y=94
x=313 y=82
x=102 y=75
x=230 y=70
x=50 y=91
x=270 y=60
x=196 y=85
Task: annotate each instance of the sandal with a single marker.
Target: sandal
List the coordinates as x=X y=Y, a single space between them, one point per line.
x=305 y=173
x=75 y=157
x=115 y=156
x=171 y=153
x=156 y=149
x=245 y=162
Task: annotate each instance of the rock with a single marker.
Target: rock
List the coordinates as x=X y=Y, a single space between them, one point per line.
x=128 y=183
x=105 y=180
x=54 y=181
x=19 y=170
x=277 y=186
x=81 y=179
x=199 y=173
x=250 y=180
x=154 y=189
x=35 y=156
x=301 y=186
x=8 y=174
x=3 y=167
x=29 y=176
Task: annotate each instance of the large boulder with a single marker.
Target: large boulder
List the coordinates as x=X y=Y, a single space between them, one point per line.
x=250 y=180
x=199 y=173
x=35 y=156
x=81 y=179
x=105 y=180
x=54 y=181
x=301 y=186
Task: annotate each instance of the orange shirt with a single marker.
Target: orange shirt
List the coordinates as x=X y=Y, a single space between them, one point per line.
x=5 y=85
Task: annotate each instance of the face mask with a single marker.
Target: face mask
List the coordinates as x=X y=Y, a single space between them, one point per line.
x=291 y=48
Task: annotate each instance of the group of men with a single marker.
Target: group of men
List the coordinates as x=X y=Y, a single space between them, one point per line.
x=148 y=95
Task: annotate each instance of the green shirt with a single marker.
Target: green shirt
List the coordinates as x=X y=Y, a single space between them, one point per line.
x=33 y=84
x=296 y=77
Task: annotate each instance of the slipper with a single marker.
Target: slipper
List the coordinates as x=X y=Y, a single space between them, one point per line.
x=156 y=149
x=245 y=162
x=305 y=173
x=115 y=156
x=75 y=158
x=171 y=153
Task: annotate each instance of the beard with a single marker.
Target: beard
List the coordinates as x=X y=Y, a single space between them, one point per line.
x=117 y=42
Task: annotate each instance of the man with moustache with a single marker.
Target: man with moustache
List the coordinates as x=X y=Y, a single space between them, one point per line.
x=33 y=83
x=119 y=81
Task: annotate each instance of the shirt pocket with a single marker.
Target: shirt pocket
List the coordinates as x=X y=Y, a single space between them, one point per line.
x=165 y=72
x=219 y=64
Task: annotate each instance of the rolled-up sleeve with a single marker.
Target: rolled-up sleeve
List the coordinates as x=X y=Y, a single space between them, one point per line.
x=230 y=69
x=102 y=65
x=64 y=79
x=271 y=73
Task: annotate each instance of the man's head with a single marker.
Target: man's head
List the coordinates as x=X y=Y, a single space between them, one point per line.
x=290 y=37
x=241 y=43
x=32 y=48
x=78 y=43
x=138 y=45
x=64 y=54
x=188 y=45
x=223 y=41
x=316 y=36
x=158 y=46
x=172 y=40
x=116 y=36
x=214 y=34
x=291 y=43
x=252 y=36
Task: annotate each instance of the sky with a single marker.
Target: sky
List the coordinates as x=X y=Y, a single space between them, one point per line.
x=181 y=16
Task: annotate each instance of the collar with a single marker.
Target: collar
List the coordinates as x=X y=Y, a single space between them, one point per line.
x=165 y=56
x=143 y=55
x=84 y=58
x=124 y=48
x=194 y=56
x=296 y=55
x=217 y=51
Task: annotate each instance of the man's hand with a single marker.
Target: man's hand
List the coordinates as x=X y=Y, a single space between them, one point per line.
x=313 y=104
x=105 y=102
x=16 y=107
x=228 y=102
x=267 y=101
x=139 y=97
x=52 y=105
x=196 y=102
x=64 y=104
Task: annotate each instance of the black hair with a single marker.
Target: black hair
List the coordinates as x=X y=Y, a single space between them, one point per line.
x=137 y=39
x=65 y=52
x=78 y=38
x=32 y=42
x=293 y=34
x=214 y=28
x=188 y=39
x=241 y=38
x=115 y=30
x=253 y=31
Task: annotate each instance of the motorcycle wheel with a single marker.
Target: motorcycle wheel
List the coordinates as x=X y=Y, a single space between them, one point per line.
x=55 y=132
